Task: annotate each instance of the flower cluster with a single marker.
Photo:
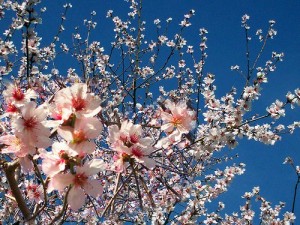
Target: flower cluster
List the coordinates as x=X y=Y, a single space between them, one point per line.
x=130 y=143
x=98 y=143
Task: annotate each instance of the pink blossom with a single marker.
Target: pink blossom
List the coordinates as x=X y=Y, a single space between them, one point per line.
x=129 y=143
x=177 y=117
x=14 y=95
x=77 y=98
x=56 y=160
x=11 y=108
x=79 y=135
x=20 y=149
x=251 y=92
x=16 y=145
x=29 y=126
x=141 y=155
x=81 y=183
x=121 y=159
x=129 y=134
x=35 y=192
x=60 y=113
x=137 y=152
x=276 y=110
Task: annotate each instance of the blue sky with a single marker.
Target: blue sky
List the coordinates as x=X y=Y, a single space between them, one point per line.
x=226 y=47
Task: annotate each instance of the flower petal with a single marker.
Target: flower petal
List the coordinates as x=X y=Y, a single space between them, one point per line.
x=93 y=188
x=59 y=182
x=76 y=198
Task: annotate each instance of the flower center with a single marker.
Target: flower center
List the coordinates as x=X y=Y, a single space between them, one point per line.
x=78 y=136
x=176 y=120
x=134 y=138
x=125 y=157
x=17 y=142
x=30 y=123
x=32 y=188
x=80 y=179
x=127 y=141
x=78 y=104
x=18 y=94
x=11 y=108
x=57 y=115
x=123 y=138
x=137 y=152
x=37 y=194
x=63 y=155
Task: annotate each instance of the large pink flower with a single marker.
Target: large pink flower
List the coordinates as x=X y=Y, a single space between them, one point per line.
x=129 y=143
x=16 y=145
x=79 y=135
x=60 y=113
x=136 y=152
x=20 y=149
x=178 y=117
x=16 y=96
x=56 y=160
x=77 y=98
x=81 y=182
x=129 y=134
x=29 y=126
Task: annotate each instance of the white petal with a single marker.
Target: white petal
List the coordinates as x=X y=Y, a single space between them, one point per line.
x=93 y=167
x=66 y=133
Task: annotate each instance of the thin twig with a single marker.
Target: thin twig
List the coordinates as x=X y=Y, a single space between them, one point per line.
x=63 y=208
x=115 y=190
x=115 y=195
x=137 y=185
x=295 y=194
x=44 y=184
x=147 y=192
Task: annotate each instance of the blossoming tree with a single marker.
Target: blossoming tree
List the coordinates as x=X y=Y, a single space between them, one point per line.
x=97 y=146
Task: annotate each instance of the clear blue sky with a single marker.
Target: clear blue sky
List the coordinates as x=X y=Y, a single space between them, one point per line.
x=226 y=44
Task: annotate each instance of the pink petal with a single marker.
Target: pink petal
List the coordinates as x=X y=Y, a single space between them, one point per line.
x=92 y=167
x=66 y=133
x=91 y=126
x=76 y=198
x=93 y=188
x=60 y=181
x=84 y=147
x=26 y=164
x=168 y=127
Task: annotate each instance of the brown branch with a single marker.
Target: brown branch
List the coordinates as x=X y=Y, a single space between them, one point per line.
x=115 y=195
x=137 y=185
x=44 y=184
x=62 y=212
x=148 y=192
x=9 y=169
x=168 y=187
x=115 y=190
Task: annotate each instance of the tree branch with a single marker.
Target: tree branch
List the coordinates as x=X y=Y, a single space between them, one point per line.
x=9 y=169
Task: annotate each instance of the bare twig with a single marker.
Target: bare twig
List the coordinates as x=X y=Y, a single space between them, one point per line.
x=62 y=212
x=137 y=185
x=115 y=190
x=147 y=191
x=116 y=194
